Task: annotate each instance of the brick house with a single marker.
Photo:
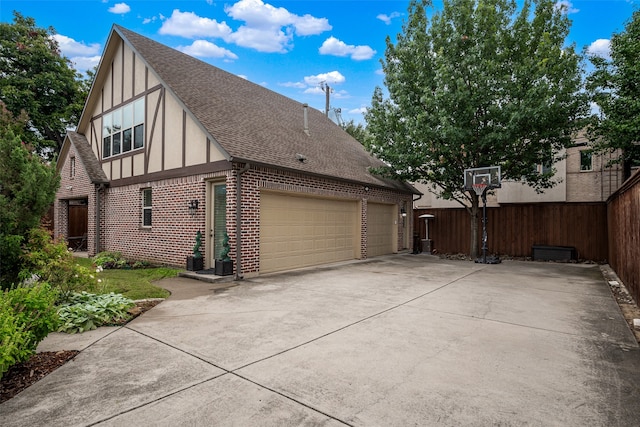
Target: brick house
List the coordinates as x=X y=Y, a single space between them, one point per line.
x=168 y=145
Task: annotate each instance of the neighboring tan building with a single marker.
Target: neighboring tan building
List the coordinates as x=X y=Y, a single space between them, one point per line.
x=168 y=145
x=583 y=178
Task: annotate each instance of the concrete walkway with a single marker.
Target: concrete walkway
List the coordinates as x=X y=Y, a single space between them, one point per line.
x=394 y=341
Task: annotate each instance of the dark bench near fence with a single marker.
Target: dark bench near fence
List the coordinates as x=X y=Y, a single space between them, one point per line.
x=554 y=253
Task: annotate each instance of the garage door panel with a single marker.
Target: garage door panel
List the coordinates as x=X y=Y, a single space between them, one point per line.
x=380 y=229
x=308 y=231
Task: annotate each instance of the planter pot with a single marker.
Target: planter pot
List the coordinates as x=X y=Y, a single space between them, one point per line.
x=195 y=264
x=224 y=268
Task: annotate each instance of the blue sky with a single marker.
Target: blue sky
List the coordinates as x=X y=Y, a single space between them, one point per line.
x=287 y=46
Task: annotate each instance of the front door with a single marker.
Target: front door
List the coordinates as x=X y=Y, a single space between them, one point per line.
x=78 y=225
x=218 y=220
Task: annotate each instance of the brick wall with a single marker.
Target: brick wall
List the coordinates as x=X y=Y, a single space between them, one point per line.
x=257 y=179
x=78 y=186
x=172 y=235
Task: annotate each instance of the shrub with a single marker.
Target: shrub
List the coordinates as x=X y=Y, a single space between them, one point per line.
x=27 y=315
x=115 y=260
x=85 y=311
x=110 y=260
x=50 y=261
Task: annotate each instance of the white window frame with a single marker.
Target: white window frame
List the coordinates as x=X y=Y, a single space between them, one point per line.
x=113 y=128
x=146 y=208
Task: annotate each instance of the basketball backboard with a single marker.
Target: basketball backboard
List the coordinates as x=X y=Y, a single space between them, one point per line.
x=489 y=176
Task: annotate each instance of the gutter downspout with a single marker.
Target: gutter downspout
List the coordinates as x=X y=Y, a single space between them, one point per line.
x=239 y=173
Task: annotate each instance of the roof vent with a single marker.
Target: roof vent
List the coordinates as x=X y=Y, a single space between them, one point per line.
x=305 y=108
x=301 y=158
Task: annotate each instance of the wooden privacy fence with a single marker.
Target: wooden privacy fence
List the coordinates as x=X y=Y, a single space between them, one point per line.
x=623 y=212
x=512 y=229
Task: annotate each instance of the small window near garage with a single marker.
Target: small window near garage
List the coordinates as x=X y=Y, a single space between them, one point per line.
x=72 y=167
x=146 y=207
x=586 y=160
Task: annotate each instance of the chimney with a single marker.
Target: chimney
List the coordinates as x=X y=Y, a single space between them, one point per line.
x=306 y=119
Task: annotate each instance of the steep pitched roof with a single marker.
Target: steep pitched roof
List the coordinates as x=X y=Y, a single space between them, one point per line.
x=254 y=124
x=87 y=157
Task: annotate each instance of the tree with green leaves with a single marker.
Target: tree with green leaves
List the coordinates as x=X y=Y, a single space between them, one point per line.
x=357 y=131
x=37 y=79
x=479 y=83
x=614 y=86
x=28 y=187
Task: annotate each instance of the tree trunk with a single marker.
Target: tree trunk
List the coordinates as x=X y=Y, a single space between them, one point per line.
x=473 y=214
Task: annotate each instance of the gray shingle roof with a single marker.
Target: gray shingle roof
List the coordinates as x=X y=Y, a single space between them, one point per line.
x=257 y=125
x=88 y=158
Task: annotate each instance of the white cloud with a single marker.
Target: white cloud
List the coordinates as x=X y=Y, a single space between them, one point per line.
x=84 y=63
x=206 y=49
x=360 y=110
x=335 y=47
x=263 y=40
x=69 y=47
x=82 y=56
x=308 y=25
x=387 y=18
x=565 y=6
x=258 y=14
x=120 y=8
x=149 y=20
x=190 y=25
x=271 y=29
x=314 y=90
x=601 y=48
x=333 y=77
x=340 y=94
x=298 y=85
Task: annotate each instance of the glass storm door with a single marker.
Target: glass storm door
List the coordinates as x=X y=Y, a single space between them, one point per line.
x=219 y=220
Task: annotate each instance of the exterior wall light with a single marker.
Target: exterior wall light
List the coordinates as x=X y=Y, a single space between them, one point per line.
x=193 y=207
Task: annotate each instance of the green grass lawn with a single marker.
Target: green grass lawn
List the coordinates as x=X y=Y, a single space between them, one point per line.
x=133 y=283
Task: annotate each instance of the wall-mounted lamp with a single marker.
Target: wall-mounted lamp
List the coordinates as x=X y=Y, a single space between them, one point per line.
x=366 y=189
x=193 y=207
x=403 y=212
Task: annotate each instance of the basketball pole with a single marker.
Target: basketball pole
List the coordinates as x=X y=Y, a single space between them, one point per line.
x=484 y=225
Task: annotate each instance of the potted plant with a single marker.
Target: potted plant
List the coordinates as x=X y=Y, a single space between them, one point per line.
x=195 y=262
x=224 y=265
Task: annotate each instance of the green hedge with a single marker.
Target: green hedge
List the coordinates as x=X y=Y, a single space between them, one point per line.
x=27 y=315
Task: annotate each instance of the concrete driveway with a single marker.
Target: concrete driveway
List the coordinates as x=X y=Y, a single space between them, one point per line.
x=394 y=341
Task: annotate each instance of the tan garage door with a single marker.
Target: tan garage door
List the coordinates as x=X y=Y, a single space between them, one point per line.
x=380 y=229
x=298 y=231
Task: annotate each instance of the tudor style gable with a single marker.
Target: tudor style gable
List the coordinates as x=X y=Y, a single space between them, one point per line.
x=135 y=125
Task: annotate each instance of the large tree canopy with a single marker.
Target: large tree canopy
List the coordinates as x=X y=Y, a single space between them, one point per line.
x=28 y=187
x=37 y=79
x=477 y=84
x=615 y=88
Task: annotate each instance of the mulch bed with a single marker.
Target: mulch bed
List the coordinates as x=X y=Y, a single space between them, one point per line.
x=22 y=375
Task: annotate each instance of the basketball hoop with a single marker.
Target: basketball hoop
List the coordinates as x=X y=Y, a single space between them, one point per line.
x=479 y=188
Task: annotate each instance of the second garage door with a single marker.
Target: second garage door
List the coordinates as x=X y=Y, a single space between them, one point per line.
x=380 y=229
x=298 y=231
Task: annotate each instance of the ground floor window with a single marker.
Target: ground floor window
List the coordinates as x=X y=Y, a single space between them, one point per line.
x=146 y=207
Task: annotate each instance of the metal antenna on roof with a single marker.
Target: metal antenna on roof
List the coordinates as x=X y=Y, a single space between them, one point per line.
x=327 y=90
